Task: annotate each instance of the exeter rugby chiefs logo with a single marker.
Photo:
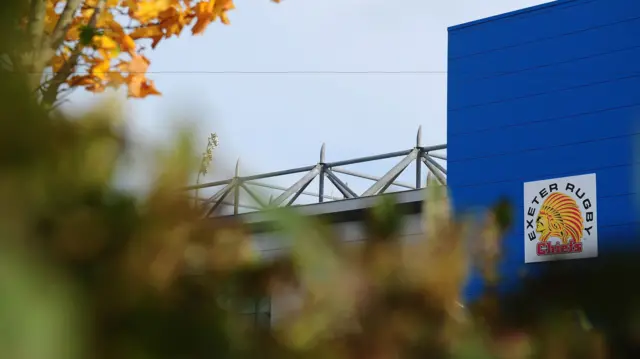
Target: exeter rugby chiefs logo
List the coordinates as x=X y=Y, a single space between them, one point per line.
x=560 y=219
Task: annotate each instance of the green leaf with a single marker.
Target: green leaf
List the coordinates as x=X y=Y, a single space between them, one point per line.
x=86 y=34
x=384 y=220
x=38 y=310
x=503 y=212
x=472 y=346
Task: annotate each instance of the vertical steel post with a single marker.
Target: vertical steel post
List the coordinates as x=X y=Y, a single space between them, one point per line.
x=236 y=189
x=418 y=160
x=321 y=178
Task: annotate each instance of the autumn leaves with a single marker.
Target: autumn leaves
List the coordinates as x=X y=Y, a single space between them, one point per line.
x=105 y=40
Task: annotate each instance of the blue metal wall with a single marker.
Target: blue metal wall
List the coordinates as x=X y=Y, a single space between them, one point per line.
x=544 y=92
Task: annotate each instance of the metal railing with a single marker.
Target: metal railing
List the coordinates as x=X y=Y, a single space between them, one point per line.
x=420 y=155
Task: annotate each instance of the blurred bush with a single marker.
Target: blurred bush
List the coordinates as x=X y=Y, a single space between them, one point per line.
x=88 y=270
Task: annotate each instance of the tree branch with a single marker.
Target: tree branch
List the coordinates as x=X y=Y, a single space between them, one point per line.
x=63 y=24
x=35 y=29
x=50 y=95
x=32 y=60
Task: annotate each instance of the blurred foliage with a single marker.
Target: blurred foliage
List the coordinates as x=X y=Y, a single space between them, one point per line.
x=88 y=270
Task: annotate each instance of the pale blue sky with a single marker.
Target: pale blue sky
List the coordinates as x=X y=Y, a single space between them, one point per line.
x=278 y=121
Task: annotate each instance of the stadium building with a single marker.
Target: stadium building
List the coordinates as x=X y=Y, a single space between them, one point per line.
x=543 y=110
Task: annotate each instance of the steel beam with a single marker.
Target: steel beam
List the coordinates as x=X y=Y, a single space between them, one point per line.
x=297 y=194
x=369 y=158
x=205 y=201
x=282 y=188
x=207 y=185
x=236 y=189
x=435 y=172
x=323 y=168
x=230 y=204
x=321 y=195
x=254 y=196
x=341 y=186
x=369 y=177
x=438 y=155
x=251 y=178
x=435 y=164
x=434 y=148
x=278 y=173
x=386 y=180
x=418 y=164
x=298 y=185
x=217 y=195
x=221 y=199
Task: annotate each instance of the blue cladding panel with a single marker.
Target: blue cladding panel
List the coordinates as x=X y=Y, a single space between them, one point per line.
x=592 y=43
x=543 y=162
x=540 y=107
x=550 y=78
x=559 y=18
x=575 y=129
x=547 y=92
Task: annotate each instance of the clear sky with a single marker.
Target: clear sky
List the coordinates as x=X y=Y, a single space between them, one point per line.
x=279 y=121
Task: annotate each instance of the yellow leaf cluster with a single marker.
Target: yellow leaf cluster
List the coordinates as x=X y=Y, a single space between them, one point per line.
x=123 y=29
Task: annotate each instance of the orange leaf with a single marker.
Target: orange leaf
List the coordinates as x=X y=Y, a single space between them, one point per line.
x=95 y=87
x=116 y=79
x=122 y=66
x=107 y=54
x=104 y=20
x=51 y=18
x=116 y=27
x=73 y=34
x=201 y=9
x=101 y=70
x=80 y=80
x=168 y=13
x=173 y=21
x=135 y=85
x=148 y=88
x=224 y=18
x=155 y=42
x=227 y=5
x=174 y=28
x=146 y=32
x=127 y=44
x=137 y=68
x=86 y=13
x=210 y=6
x=200 y=26
x=104 y=42
x=149 y=10
x=138 y=64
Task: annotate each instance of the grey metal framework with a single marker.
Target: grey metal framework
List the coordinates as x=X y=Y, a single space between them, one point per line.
x=421 y=155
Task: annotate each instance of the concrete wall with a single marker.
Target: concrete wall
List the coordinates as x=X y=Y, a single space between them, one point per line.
x=547 y=92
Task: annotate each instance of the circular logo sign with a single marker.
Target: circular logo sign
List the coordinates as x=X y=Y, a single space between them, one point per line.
x=560 y=219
